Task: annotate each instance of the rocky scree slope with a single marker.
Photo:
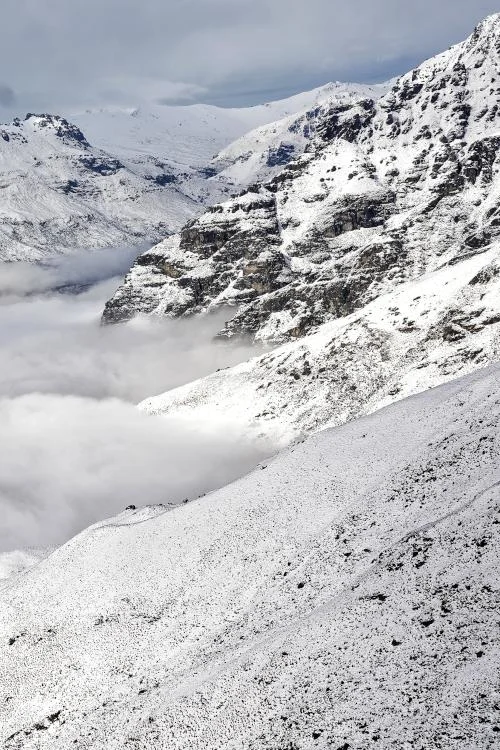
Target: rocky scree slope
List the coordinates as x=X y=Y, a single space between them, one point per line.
x=426 y=331
x=384 y=192
x=343 y=595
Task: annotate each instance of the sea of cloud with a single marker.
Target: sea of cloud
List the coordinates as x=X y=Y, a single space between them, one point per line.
x=74 y=448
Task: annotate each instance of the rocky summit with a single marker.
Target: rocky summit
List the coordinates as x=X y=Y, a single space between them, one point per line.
x=60 y=193
x=385 y=191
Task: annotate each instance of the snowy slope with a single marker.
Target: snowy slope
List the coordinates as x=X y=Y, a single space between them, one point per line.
x=442 y=325
x=192 y=135
x=262 y=153
x=15 y=561
x=342 y=596
x=384 y=192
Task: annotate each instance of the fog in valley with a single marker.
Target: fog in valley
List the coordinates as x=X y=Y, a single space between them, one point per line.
x=75 y=448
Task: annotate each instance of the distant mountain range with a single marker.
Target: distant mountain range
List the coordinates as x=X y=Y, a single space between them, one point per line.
x=124 y=176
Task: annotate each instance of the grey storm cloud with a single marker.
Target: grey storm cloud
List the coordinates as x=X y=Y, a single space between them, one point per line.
x=55 y=52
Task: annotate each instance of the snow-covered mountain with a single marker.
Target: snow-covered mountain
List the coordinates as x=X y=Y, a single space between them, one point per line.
x=59 y=193
x=121 y=176
x=263 y=153
x=385 y=191
x=343 y=595
x=426 y=331
x=191 y=136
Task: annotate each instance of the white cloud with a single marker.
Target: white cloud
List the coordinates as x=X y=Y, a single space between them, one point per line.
x=146 y=89
x=54 y=343
x=74 y=447
x=68 y=461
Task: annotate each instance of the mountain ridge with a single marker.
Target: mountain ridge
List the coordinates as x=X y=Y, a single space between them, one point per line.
x=371 y=261
x=344 y=594
x=113 y=177
x=60 y=193
x=384 y=191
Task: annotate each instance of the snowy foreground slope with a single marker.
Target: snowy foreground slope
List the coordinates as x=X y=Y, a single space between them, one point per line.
x=344 y=596
x=110 y=177
x=385 y=191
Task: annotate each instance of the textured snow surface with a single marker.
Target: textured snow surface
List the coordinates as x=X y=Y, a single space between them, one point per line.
x=344 y=595
x=263 y=152
x=15 y=561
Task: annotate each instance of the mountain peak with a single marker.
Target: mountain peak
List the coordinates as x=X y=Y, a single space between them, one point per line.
x=486 y=32
x=489 y=24
x=62 y=127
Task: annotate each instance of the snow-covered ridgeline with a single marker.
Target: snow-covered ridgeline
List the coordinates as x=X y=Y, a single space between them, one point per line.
x=112 y=177
x=59 y=192
x=262 y=153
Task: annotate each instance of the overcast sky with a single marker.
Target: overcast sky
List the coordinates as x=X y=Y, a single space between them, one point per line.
x=65 y=54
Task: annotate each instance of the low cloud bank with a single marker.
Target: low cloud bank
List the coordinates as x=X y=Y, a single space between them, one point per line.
x=74 y=447
x=54 y=343
x=68 y=461
x=20 y=279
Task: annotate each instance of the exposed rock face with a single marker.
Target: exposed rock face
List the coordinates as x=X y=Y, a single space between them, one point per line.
x=140 y=174
x=444 y=324
x=62 y=128
x=180 y=273
x=383 y=192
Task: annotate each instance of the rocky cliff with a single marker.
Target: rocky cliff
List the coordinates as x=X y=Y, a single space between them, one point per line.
x=426 y=331
x=122 y=176
x=385 y=191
